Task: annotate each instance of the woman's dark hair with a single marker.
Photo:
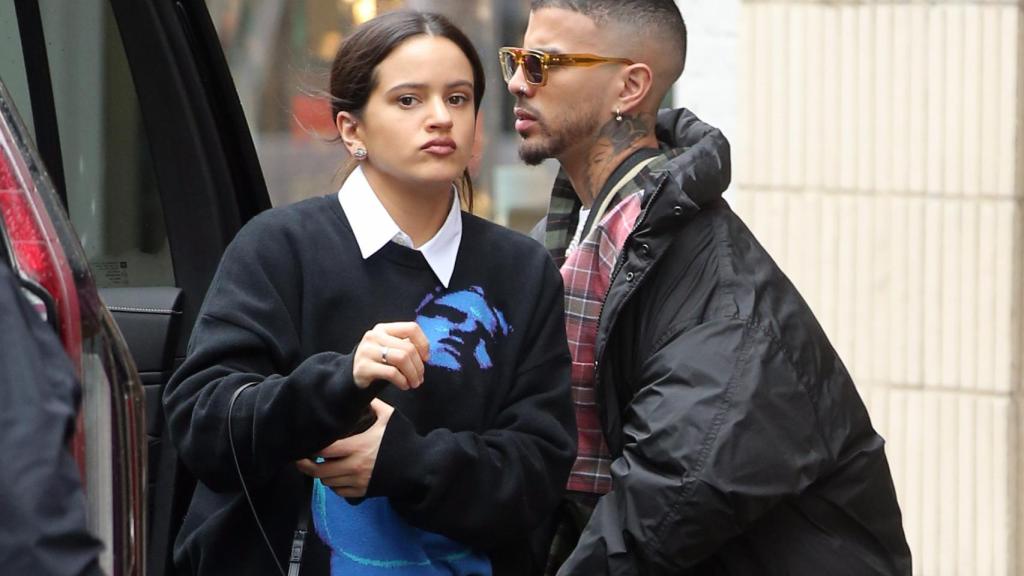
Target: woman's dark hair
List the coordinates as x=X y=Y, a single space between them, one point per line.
x=353 y=73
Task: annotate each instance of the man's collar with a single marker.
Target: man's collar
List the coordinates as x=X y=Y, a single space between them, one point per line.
x=626 y=169
x=627 y=164
x=564 y=208
x=696 y=157
x=373 y=227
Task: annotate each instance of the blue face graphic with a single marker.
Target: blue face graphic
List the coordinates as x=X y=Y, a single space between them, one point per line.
x=461 y=327
x=371 y=539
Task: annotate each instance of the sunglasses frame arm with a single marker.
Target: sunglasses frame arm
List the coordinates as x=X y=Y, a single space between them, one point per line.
x=549 y=60
x=580 y=60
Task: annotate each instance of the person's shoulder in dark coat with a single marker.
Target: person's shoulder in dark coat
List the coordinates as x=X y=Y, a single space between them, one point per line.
x=42 y=506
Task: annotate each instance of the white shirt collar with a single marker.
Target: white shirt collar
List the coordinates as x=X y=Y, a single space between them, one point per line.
x=374 y=228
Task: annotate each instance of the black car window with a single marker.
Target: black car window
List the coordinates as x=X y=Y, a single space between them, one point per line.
x=112 y=195
x=12 y=62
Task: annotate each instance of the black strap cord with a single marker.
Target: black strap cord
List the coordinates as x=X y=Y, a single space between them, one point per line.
x=299 y=538
x=364 y=421
x=298 y=542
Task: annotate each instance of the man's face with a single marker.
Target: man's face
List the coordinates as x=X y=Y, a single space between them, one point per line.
x=564 y=115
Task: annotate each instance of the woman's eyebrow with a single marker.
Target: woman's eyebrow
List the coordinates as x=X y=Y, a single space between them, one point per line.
x=422 y=86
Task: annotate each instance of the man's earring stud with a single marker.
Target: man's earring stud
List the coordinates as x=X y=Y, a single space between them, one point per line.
x=360 y=154
x=618 y=115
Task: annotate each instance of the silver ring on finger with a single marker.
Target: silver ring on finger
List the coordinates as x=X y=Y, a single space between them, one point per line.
x=384 y=354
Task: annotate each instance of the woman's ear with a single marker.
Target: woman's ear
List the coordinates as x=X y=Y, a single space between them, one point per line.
x=637 y=80
x=350 y=130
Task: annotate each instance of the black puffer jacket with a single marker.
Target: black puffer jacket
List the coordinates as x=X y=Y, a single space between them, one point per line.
x=741 y=445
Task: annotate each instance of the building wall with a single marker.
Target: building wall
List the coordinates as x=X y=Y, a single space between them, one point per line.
x=708 y=85
x=877 y=159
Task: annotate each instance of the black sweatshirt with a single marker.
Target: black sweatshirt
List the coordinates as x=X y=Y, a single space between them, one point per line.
x=479 y=453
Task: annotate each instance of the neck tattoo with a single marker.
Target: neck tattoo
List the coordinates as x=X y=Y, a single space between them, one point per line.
x=614 y=138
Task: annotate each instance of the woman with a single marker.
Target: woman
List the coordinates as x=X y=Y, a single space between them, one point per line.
x=384 y=295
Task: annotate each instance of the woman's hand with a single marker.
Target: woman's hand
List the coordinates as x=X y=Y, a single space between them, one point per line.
x=348 y=463
x=394 y=352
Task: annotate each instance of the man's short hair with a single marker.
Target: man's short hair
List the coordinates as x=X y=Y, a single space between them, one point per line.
x=658 y=15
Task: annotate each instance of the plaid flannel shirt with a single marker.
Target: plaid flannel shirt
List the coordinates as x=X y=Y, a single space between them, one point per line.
x=587 y=274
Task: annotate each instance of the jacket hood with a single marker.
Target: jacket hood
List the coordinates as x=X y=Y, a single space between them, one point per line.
x=703 y=168
x=696 y=174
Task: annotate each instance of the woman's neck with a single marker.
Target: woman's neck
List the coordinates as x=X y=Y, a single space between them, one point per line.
x=419 y=211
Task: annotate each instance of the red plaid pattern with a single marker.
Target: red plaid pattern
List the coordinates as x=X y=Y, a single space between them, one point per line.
x=587 y=275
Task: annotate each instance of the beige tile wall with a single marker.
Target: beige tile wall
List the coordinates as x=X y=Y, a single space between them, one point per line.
x=879 y=164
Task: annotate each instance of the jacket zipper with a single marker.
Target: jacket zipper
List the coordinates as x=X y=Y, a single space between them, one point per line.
x=619 y=263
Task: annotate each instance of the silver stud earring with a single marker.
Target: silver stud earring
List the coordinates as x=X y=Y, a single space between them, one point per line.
x=618 y=115
x=360 y=153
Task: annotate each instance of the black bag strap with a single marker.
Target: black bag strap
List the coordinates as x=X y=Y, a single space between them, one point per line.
x=301 y=529
x=299 y=540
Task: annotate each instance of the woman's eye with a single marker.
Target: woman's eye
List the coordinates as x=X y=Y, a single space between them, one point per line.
x=406 y=101
x=458 y=99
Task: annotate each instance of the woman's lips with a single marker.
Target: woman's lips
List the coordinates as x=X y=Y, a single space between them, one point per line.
x=440 y=147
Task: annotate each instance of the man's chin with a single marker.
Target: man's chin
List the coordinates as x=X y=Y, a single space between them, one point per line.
x=532 y=154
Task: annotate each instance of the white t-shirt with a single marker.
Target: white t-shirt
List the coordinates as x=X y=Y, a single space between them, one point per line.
x=576 y=238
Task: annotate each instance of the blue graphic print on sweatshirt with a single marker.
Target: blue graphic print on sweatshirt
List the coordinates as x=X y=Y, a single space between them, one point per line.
x=459 y=324
x=370 y=538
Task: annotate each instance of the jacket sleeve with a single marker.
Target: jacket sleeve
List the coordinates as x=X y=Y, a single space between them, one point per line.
x=43 y=506
x=247 y=333
x=721 y=430
x=492 y=487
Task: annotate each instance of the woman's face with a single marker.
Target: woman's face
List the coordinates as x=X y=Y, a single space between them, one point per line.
x=419 y=122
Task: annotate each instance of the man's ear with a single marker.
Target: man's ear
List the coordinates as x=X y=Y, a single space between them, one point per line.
x=350 y=130
x=637 y=81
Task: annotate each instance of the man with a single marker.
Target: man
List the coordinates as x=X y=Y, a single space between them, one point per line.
x=719 y=432
x=42 y=506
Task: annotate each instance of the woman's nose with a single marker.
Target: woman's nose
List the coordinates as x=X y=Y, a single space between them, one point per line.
x=441 y=116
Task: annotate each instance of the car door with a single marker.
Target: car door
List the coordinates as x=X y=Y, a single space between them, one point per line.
x=138 y=123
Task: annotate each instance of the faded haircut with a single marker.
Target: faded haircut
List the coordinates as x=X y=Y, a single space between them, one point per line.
x=660 y=16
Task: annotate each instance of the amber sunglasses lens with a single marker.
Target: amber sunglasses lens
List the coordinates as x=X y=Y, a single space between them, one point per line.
x=533 y=66
x=508 y=65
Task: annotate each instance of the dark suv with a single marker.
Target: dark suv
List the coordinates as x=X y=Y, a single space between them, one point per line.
x=126 y=167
